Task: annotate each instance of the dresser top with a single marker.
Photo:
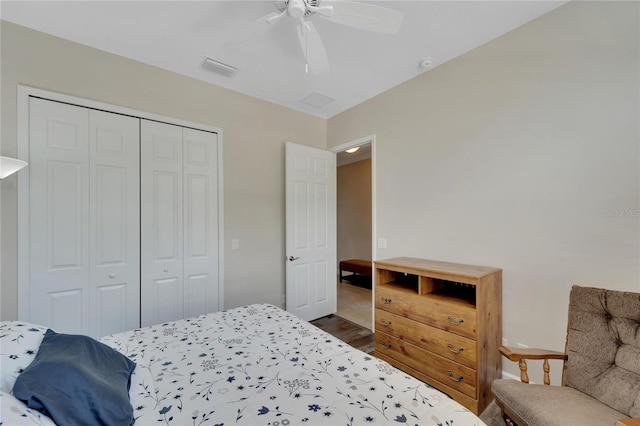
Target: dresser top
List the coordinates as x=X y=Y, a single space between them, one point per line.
x=472 y=271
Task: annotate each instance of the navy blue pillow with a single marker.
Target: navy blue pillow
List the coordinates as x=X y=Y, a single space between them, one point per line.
x=77 y=380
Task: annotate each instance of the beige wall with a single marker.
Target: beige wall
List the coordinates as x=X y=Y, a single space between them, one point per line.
x=522 y=154
x=254 y=136
x=354 y=210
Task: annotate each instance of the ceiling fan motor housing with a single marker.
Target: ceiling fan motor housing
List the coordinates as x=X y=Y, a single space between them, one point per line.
x=297 y=8
x=355 y=14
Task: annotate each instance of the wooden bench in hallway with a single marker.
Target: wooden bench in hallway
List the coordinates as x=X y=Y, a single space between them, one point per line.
x=356 y=266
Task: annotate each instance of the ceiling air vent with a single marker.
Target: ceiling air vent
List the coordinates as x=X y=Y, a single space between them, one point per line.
x=219 y=67
x=316 y=100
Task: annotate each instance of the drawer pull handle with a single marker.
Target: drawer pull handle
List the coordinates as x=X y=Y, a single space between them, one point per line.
x=385 y=345
x=385 y=300
x=455 y=351
x=385 y=322
x=453 y=378
x=452 y=321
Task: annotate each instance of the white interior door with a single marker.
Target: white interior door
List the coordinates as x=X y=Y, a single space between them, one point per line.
x=59 y=216
x=200 y=160
x=179 y=201
x=310 y=231
x=84 y=219
x=161 y=227
x=114 y=156
x=95 y=216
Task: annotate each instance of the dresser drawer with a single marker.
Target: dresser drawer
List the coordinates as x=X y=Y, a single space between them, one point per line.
x=441 y=311
x=444 y=343
x=441 y=369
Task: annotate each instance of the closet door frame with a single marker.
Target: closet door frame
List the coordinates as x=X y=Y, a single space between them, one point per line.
x=24 y=93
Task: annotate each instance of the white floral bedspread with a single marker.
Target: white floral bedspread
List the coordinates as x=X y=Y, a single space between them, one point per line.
x=260 y=365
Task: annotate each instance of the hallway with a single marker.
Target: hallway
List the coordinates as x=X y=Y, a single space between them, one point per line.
x=354 y=304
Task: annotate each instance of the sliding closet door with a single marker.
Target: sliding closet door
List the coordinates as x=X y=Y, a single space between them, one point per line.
x=179 y=217
x=84 y=219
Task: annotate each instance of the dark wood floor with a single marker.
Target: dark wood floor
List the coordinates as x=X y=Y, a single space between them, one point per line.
x=347 y=331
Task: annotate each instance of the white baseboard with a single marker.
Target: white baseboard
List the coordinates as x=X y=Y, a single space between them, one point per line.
x=506 y=375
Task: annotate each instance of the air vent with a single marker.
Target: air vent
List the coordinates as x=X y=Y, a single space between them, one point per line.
x=316 y=100
x=219 y=67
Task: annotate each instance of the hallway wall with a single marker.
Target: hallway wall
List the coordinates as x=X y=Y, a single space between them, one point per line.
x=354 y=210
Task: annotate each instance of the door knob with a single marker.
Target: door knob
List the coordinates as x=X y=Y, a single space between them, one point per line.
x=292 y=258
x=112 y=276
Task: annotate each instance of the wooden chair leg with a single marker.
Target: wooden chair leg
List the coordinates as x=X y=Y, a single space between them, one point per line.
x=546 y=369
x=524 y=377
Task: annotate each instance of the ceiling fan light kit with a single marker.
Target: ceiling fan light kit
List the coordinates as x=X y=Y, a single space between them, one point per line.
x=353 y=14
x=296 y=8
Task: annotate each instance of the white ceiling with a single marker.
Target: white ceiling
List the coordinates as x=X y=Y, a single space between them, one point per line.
x=178 y=35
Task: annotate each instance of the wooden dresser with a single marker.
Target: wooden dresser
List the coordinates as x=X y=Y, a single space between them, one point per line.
x=442 y=323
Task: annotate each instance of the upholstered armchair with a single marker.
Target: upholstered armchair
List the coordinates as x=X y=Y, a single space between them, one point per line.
x=601 y=368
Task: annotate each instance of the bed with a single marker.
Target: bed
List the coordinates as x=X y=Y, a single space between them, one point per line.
x=253 y=365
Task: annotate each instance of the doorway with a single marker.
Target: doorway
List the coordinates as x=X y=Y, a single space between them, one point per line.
x=355 y=228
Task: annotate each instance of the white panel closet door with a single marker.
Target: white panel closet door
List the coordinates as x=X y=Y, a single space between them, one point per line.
x=200 y=161
x=115 y=215
x=59 y=216
x=161 y=223
x=179 y=202
x=84 y=219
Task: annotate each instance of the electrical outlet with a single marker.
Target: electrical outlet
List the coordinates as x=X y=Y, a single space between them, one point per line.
x=235 y=244
x=382 y=243
x=505 y=342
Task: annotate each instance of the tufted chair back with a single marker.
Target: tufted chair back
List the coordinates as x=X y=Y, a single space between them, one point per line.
x=603 y=347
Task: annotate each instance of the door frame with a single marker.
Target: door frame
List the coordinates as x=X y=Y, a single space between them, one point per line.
x=374 y=255
x=23 y=95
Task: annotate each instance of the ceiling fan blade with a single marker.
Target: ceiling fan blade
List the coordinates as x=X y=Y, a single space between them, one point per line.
x=364 y=16
x=323 y=10
x=313 y=47
x=255 y=28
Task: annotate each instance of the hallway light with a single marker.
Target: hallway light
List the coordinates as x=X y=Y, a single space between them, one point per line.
x=352 y=150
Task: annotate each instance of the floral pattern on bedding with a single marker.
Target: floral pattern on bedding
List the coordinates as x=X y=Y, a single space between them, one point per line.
x=14 y=412
x=19 y=343
x=260 y=365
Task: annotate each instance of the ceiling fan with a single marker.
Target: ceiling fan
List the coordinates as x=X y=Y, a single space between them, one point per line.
x=358 y=15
